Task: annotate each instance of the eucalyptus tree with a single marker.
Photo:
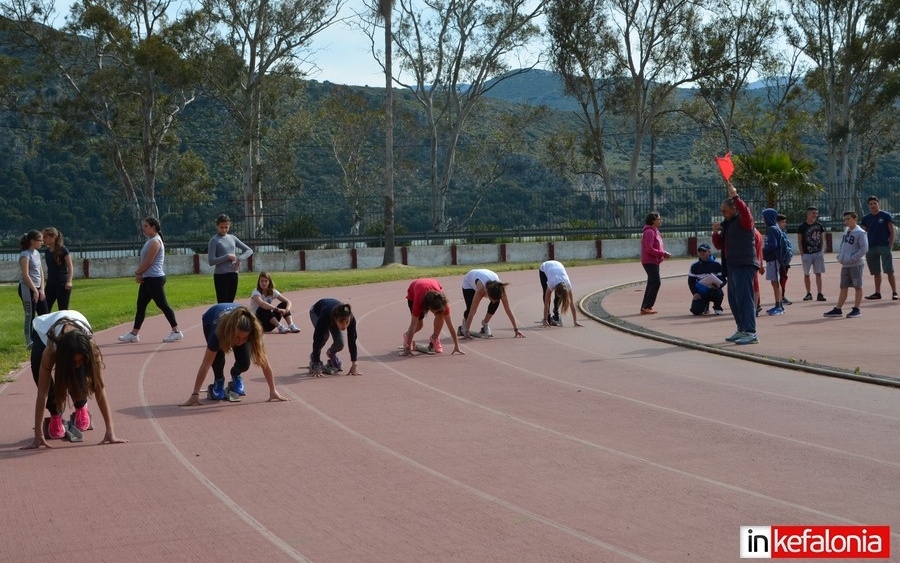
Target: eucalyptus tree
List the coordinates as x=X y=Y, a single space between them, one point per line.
x=630 y=57
x=847 y=41
x=450 y=53
x=249 y=42
x=124 y=73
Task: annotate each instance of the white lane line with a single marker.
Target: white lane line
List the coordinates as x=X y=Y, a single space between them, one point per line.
x=478 y=493
x=204 y=480
x=625 y=455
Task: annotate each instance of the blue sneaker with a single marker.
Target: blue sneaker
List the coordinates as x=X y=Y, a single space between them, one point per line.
x=217 y=390
x=237 y=385
x=333 y=360
x=775 y=311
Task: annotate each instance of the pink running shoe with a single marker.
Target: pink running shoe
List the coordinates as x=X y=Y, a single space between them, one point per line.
x=436 y=345
x=56 y=428
x=82 y=418
x=407 y=341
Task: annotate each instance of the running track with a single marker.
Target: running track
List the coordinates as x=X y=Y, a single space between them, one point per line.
x=583 y=444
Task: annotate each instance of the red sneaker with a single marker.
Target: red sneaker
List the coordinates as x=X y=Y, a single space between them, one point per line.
x=56 y=428
x=82 y=418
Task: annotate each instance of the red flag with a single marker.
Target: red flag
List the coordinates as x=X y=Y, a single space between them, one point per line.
x=725 y=165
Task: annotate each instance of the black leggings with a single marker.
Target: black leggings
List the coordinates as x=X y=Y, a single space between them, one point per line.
x=241 y=358
x=265 y=316
x=37 y=350
x=469 y=295
x=651 y=290
x=555 y=296
x=153 y=289
x=56 y=292
x=226 y=287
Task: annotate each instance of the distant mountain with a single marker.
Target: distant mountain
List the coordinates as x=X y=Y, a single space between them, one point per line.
x=533 y=87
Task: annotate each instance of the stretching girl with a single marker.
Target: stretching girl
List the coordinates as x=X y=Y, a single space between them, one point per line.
x=66 y=362
x=555 y=283
x=476 y=285
x=229 y=327
x=59 y=269
x=151 y=277
x=331 y=317
x=422 y=296
x=31 y=286
x=262 y=303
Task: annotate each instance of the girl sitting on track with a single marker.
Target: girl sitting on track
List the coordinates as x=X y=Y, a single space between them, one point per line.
x=476 y=285
x=330 y=316
x=423 y=295
x=262 y=303
x=66 y=362
x=555 y=283
x=229 y=327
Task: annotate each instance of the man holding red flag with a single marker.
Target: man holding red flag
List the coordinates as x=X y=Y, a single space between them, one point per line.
x=735 y=237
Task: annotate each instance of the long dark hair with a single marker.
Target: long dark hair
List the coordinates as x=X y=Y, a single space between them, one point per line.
x=57 y=248
x=78 y=381
x=25 y=241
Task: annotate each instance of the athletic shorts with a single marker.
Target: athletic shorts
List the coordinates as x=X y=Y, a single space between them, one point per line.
x=852 y=276
x=772 y=271
x=879 y=258
x=814 y=262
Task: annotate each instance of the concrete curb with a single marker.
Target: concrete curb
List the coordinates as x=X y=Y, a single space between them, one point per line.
x=591 y=306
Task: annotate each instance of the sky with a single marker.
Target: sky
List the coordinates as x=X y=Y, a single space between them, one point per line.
x=343 y=54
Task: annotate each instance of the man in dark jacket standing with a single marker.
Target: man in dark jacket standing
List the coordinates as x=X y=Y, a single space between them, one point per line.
x=735 y=238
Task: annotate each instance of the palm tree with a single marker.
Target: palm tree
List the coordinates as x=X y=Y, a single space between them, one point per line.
x=776 y=174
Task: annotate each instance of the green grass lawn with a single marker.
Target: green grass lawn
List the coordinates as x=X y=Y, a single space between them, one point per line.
x=111 y=302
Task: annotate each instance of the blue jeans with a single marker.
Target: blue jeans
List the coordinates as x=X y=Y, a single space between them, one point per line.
x=740 y=297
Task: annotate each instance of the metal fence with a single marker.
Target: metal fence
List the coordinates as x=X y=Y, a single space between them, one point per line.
x=101 y=229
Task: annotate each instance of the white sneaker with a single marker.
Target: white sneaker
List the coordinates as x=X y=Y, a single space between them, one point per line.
x=173 y=336
x=293 y=328
x=282 y=329
x=486 y=330
x=129 y=337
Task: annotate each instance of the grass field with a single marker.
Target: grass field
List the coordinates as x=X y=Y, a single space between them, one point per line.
x=111 y=302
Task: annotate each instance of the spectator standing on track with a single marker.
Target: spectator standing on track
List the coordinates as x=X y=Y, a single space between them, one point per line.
x=735 y=237
x=811 y=241
x=66 y=362
x=422 y=296
x=652 y=254
x=230 y=327
x=151 y=278
x=476 y=285
x=555 y=283
x=222 y=254
x=879 y=227
x=771 y=246
x=705 y=281
x=851 y=256
x=59 y=270
x=332 y=317
x=31 y=286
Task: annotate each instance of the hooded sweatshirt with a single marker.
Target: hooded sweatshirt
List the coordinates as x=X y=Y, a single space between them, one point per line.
x=774 y=235
x=652 y=251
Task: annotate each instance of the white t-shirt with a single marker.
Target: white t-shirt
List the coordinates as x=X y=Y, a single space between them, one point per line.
x=43 y=324
x=254 y=306
x=556 y=274
x=481 y=275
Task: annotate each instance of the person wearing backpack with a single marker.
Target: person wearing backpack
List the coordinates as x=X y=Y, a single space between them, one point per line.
x=771 y=254
x=785 y=254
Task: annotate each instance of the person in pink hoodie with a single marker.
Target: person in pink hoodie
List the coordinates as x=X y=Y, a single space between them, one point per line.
x=652 y=255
